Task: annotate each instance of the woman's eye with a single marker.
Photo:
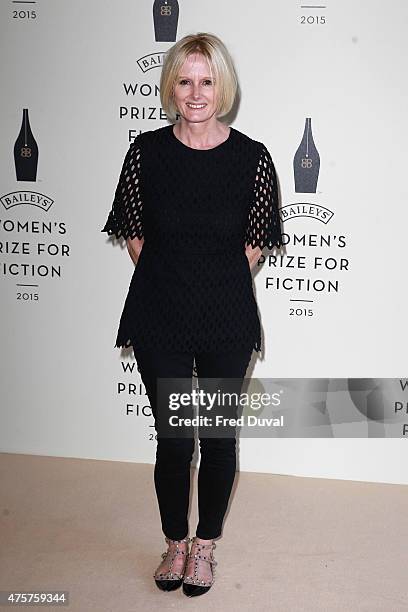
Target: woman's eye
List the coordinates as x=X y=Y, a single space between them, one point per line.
x=186 y=81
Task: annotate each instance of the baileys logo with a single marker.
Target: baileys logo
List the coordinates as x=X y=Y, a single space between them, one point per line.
x=26 y=155
x=306 y=168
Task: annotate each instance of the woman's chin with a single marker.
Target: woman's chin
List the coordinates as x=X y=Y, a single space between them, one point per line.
x=196 y=116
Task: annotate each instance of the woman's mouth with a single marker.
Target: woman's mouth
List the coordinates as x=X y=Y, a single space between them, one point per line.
x=195 y=106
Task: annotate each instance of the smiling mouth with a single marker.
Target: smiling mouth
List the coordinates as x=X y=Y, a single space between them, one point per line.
x=195 y=106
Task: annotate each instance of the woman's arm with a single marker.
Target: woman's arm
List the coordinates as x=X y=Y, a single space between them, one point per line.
x=134 y=247
x=125 y=218
x=263 y=227
x=253 y=254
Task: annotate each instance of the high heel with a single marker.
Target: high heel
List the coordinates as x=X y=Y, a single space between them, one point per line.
x=169 y=581
x=192 y=585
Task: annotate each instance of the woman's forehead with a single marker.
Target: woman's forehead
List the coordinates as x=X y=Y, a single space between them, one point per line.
x=197 y=62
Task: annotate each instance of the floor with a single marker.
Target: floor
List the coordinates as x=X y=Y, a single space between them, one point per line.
x=289 y=544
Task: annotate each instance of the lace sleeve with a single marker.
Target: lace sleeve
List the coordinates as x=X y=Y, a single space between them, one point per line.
x=125 y=218
x=263 y=227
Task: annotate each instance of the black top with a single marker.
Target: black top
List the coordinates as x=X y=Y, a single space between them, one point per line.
x=191 y=289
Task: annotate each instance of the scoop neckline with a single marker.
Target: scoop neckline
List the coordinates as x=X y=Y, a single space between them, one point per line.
x=217 y=147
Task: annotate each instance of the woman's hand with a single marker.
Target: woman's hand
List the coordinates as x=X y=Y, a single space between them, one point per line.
x=134 y=247
x=253 y=255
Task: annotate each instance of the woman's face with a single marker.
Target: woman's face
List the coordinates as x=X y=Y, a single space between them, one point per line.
x=194 y=90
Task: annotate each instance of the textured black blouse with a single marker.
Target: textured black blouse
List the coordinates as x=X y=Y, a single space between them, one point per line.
x=191 y=289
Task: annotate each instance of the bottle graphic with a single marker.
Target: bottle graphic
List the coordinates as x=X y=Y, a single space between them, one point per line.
x=165 y=17
x=306 y=163
x=26 y=152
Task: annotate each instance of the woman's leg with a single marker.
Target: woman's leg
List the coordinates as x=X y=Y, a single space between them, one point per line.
x=218 y=454
x=173 y=455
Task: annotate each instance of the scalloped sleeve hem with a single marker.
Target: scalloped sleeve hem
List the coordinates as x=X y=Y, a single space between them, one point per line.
x=125 y=218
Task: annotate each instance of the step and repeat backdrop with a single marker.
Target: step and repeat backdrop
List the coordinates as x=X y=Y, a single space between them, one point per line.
x=324 y=87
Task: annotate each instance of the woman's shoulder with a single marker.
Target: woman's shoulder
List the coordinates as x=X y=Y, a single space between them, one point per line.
x=248 y=143
x=153 y=136
x=256 y=145
x=149 y=137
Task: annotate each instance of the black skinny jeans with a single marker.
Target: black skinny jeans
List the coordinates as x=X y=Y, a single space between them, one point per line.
x=173 y=455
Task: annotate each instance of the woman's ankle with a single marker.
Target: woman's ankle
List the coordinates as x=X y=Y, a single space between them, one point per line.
x=202 y=541
x=177 y=541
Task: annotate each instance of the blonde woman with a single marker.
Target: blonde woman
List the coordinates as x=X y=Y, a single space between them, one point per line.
x=196 y=202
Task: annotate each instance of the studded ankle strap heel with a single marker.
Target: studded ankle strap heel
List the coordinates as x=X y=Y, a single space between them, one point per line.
x=193 y=585
x=170 y=580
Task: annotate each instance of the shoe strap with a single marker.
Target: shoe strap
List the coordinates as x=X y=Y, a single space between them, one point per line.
x=211 y=545
x=172 y=556
x=173 y=553
x=185 y=540
x=198 y=557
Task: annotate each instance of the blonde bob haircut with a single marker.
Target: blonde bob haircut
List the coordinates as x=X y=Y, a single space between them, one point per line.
x=221 y=67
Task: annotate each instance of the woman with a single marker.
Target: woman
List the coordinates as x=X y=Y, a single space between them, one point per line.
x=196 y=201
